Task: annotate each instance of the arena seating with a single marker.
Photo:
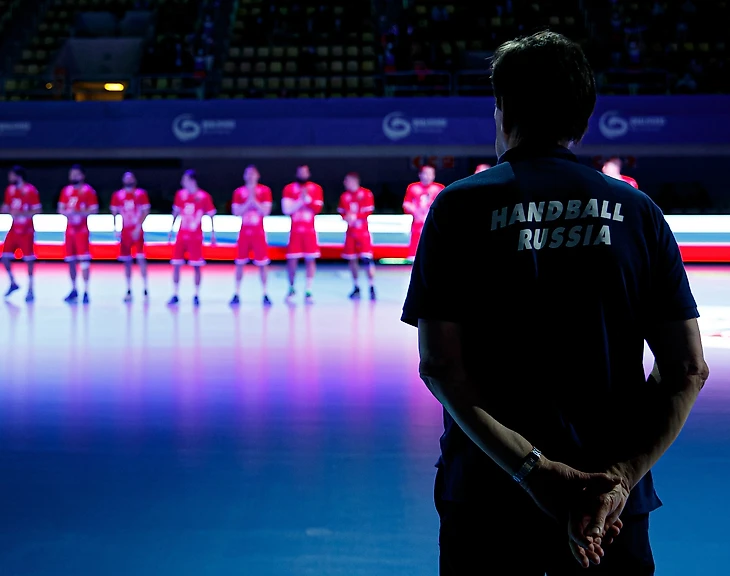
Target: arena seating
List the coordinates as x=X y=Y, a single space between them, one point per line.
x=302 y=49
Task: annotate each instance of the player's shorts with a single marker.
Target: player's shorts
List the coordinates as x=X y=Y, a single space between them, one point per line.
x=303 y=244
x=416 y=229
x=357 y=245
x=252 y=241
x=190 y=244
x=77 y=244
x=129 y=248
x=23 y=241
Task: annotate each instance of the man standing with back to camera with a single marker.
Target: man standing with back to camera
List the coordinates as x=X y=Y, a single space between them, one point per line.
x=551 y=427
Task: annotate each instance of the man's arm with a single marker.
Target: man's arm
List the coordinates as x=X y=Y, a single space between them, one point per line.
x=680 y=372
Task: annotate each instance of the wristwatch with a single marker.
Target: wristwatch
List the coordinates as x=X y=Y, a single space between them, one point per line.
x=528 y=464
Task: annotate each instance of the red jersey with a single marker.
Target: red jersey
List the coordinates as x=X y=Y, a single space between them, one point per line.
x=130 y=204
x=22 y=199
x=78 y=199
x=419 y=198
x=252 y=217
x=304 y=217
x=192 y=206
x=355 y=207
x=630 y=180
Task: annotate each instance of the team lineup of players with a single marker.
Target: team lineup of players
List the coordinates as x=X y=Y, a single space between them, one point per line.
x=302 y=200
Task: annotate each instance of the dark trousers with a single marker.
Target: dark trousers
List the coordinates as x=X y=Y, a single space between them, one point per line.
x=486 y=539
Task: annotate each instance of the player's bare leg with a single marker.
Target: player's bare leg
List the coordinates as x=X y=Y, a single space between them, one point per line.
x=128 y=277
x=13 y=286
x=264 y=273
x=86 y=274
x=291 y=268
x=142 y=263
x=175 y=285
x=198 y=278
x=31 y=268
x=72 y=271
x=236 y=300
x=355 y=271
x=370 y=269
x=310 y=265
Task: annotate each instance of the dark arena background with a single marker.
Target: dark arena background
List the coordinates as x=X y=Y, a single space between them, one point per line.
x=291 y=439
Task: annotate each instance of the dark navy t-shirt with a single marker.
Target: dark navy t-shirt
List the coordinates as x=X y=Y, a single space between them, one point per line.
x=556 y=273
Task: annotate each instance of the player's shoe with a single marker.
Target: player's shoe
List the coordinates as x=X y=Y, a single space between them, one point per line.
x=128 y=297
x=291 y=294
x=196 y=301
x=72 y=297
x=308 y=298
x=235 y=301
x=13 y=288
x=372 y=292
x=29 y=297
x=355 y=294
x=174 y=301
x=146 y=293
x=86 y=298
x=267 y=301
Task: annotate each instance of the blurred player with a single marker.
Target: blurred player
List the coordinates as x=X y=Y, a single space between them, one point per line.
x=302 y=201
x=612 y=168
x=191 y=204
x=252 y=203
x=417 y=203
x=21 y=201
x=482 y=168
x=356 y=204
x=77 y=201
x=133 y=204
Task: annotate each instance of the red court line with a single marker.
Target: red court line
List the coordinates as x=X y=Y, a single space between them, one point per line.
x=691 y=253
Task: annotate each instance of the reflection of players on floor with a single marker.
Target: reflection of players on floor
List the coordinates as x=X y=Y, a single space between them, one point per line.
x=133 y=205
x=482 y=168
x=302 y=200
x=612 y=168
x=191 y=204
x=21 y=201
x=77 y=201
x=356 y=204
x=417 y=203
x=252 y=203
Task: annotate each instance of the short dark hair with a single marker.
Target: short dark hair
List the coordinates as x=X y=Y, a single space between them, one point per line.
x=192 y=174
x=79 y=167
x=545 y=88
x=19 y=171
x=424 y=166
x=354 y=175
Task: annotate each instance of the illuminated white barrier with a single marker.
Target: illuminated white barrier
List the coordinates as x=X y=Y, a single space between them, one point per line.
x=324 y=223
x=157 y=223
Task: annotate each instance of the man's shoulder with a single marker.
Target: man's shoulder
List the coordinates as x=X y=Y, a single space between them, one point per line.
x=486 y=183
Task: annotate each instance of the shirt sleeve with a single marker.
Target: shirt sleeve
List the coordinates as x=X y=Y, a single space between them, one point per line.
x=35 y=199
x=208 y=205
x=670 y=298
x=63 y=198
x=266 y=196
x=144 y=199
x=369 y=205
x=288 y=192
x=434 y=292
x=92 y=201
x=409 y=200
x=114 y=202
x=177 y=204
x=342 y=207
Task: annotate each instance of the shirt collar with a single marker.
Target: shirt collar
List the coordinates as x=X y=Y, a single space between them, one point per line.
x=525 y=152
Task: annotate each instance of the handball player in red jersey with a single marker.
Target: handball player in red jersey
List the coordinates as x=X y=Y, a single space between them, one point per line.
x=133 y=205
x=612 y=168
x=191 y=204
x=77 y=201
x=252 y=202
x=417 y=203
x=481 y=168
x=356 y=204
x=302 y=200
x=21 y=201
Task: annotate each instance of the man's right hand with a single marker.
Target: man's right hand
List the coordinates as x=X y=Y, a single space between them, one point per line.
x=574 y=499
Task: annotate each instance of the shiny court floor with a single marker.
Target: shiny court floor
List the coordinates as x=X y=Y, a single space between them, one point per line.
x=294 y=440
